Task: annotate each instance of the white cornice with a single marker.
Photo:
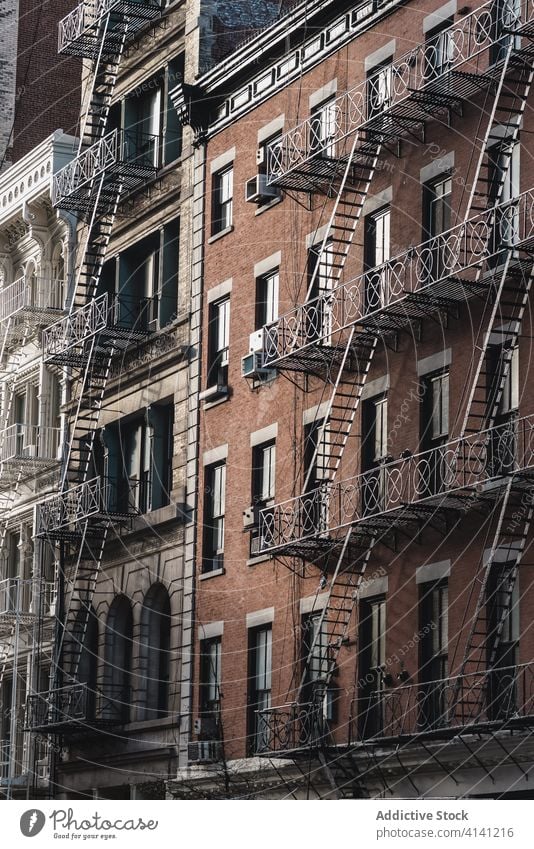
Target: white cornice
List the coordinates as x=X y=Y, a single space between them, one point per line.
x=31 y=176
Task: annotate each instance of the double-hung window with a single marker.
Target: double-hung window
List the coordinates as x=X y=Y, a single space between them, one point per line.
x=377 y=253
x=260 y=682
x=223 y=199
x=210 y=687
x=214 y=513
x=219 y=342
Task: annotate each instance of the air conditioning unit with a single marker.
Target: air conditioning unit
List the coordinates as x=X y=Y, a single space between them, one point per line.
x=257 y=190
x=252 y=365
x=204 y=751
x=250 y=517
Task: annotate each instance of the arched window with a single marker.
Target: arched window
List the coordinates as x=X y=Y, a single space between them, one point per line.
x=58 y=278
x=84 y=656
x=155 y=646
x=118 y=661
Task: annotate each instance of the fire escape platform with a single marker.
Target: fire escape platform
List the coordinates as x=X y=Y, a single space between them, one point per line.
x=80 y=32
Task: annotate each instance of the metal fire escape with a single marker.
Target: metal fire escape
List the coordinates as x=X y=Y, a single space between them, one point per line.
x=97 y=327
x=483 y=256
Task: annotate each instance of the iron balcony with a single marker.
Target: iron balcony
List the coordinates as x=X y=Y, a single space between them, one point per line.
x=77 y=710
x=26 y=450
x=100 y=502
x=82 y=31
x=484 y=702
x=437 y=274
x=123 y=160
x=463 y=473
x=33 y=302
x=398 y=100
x=118 y=321
x=21 y=600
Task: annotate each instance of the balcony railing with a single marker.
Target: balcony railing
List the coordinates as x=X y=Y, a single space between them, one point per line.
x=118 y=319
x=127 y=157
x=31 y=445
x=19 y=600
x=80 y=29
x=373 y=499
x=101 y=499
x=476 y=702
x=465 y=251
x=77 y=709
x=33 y=299
x=469 y=46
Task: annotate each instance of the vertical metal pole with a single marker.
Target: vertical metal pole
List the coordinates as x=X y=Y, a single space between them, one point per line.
x=14 y=701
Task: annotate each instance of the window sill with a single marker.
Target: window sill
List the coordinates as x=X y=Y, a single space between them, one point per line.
x=260 y=558
x=213 y=396
x=264 y=207
x=204 y=576
x=220 y=234
x=170 y=512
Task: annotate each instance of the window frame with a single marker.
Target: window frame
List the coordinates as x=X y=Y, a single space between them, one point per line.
x=214 y=522
x=222 y=207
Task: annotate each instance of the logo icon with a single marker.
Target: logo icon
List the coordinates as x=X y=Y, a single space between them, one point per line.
x=32 y=822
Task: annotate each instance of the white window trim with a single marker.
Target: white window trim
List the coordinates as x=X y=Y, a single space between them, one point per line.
x=270 y=263
x=437 y=167
x=375 y=586
x=271 y=129
x=210 y=630
x=266 y=434
x=381 y=55
x=440 y=15
x=376 y=201
x=221 y=291
x=215 y=455
x=325 y=92
x=260 y=617
x=375 y=387
x=312 y=414
x=313 y=603
x=434 y=362
x=432 y=572
x=222 y=161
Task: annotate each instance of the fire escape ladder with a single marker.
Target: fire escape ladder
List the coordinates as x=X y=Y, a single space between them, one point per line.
x=104 y=77
x=341 y=411
x=493 y=604
x=509 y=283
x=334 y=623
x=350 y=198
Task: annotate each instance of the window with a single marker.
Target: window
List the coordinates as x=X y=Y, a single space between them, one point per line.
x=320 y=284
x=263 y=473
x=315 y=664
x=317 y=468
x=376 y=251
x=502 y=406
x=434 y=627
x=214 y=510
x=260 y=672
x=218 y=342
x=84 y=656
x=439 y=50
x=147 y=282
x=502 y=641
x=139 y=460
x=267 y=287
x=223 y=190
x=374 y=453
x=323 y=129
x=210 y=687
x=504 y=177
x=118 y=661
x=379 y=89
x=371 y=666
x=437 y=212
x=152 y=130
x=434 y=429
x=154 y=649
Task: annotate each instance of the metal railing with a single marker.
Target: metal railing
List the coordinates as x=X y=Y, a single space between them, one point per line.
x=5 y=758
x=20 y=596
x=106 y=312
x=119 y=147
x=428 y=477
x=466 y=249
x=99 y=497
x=477 y=701
x=28 y=294
x=88 y=14
x=78 y=707
x=469 y=44
x=20 y=443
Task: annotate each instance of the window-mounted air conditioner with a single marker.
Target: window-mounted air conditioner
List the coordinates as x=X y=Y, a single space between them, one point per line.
x=204 y=751
x=257 y=190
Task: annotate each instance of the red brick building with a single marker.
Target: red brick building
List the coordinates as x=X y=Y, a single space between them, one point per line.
x=363 y=566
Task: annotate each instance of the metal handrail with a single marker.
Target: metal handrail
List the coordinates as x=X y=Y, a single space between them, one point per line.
x=468 y=42
x=39 y=293
x=463 y=249
x=486 y=699
x=23 y=442
x=98 y=497
x=90 y=12
x=466 y=463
